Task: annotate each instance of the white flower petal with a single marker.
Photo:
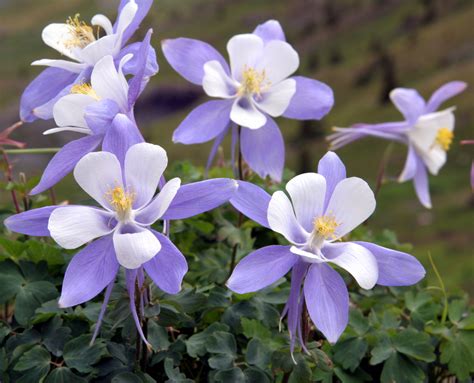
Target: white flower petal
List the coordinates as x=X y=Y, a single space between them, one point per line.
x=307 y=255
x=127 y=14
x=279 y=60
x=109 y=83
x=144 y=166
x=160 y=204
x=282 y=219
x=62 y=64
x=244 y=113
x=73 y=226
x=97 y=174
x=56 y=36
x=67 y=129
x=307 y=192
x=351 y=203
x=355 y=259
x=69 y=110
x=133 y=249
x=244 y=52
x=103 y=22
x=98 y=49
x=276 y=100
x=216 y=82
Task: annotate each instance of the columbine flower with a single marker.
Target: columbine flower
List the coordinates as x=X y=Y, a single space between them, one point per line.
x=323 y=209
x=120 y=229
x=82 y=43
x=254 y=89
x=101 y=109
x=427 y=133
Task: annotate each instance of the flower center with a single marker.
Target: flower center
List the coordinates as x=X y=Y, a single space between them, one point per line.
x=86 y=89
x=444 y=138
x=253 y=82
x=326 y=226
x=121 y=201
x=81 y=33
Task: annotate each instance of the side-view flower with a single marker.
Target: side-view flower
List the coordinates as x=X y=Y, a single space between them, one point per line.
x=83 y=44
x=254 y=88
x=120 y=230
x=102 y=110
x=428 y=133
x=324 y=207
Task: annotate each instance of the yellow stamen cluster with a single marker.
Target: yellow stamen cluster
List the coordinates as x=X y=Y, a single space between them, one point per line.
x=253 y=82
x=84 y=88
x=325 y=226
x=81 y=33
x=121 y=200
x=444 y=138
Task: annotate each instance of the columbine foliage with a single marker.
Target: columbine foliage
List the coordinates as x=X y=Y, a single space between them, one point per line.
x=206 y=333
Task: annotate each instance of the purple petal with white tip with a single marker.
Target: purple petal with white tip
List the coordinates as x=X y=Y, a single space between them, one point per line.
x=32 y=222
x=138 y=82
x=334 y=170
x=143 y=9
x=409 y=103
x=409 y=170
x=261 y=268
x=421 y=183
x=270 y=30
x=89 y=272
x=312 y=100
x=252 y=201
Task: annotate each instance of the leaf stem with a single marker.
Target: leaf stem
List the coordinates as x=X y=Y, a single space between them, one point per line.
x=443 y=289
x=33 y=151
x=382 y=168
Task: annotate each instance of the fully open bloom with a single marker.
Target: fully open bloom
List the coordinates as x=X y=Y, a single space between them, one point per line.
x=256 y=87
x=102 y=110
x=120 y=230
x=323 y=209
x=427 y=133
x=80 y=42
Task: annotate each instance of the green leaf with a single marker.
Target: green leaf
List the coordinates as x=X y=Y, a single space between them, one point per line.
x=258 y=353
x=79 y=354
x=458 y=353
x=63 y=375
x=255 y=375
x=40 y=251
x=399 y=369
x=234 y=375
x=126 y=377
x=382 y=350
x=358 y=322
x=349 y=352
x=301 y=371
x=158 y=336
x=221 y=361
x=255 y=329
x=13 y=248
x=221 y=342
x=36 y=362
x=11 y=281
x=196 y=344
x=456 y=309
x=174 y=375
x=30 y=296
x=415 y=344
x=353 y=377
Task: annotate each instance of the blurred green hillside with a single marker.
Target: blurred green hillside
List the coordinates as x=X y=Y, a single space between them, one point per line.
x=358 y=47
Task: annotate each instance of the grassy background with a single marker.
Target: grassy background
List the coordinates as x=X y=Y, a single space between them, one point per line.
x=427 y=42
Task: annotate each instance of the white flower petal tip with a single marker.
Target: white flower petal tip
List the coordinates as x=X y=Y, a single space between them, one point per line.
x=135 y=249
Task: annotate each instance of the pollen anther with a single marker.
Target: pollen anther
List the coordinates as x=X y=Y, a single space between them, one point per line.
x=121 y=200
x=326 y=226
x=444 y=138
x=84 y=88
x=253 y=82
x=81 y=33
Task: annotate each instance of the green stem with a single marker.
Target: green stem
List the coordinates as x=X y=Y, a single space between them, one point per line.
x=33 y=151
x=383 y=166
x=443 y=289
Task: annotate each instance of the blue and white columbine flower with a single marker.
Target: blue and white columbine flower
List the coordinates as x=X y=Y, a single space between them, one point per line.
x=120 y=229
x=256 y=87
x=82 y=44
x=324 y=207
x=428 y=133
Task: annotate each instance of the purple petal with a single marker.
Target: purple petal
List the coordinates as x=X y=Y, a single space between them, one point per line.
x=64 y=161
x=122 y=134
x=264 y=150
x=168 y=267
x=395 y=268
x=333 y=169
x=199 y=197
x=327 y=300
x=421 y=183
x=409 y=169
x=42 y=89
x=295 y=301
x=103 y=308
x=133 y=65
x=188 y=56
x=215 y=147
x=204 y=123
x=261 y=268
x=444 y=93
x=233 y=149
x=131 y=278
x=143 y=9
x=252 y=201
x=89 y=272
x=312 y=100
x=32 y=222
x=138 y=82
x=270 y=30
x=99 y=115
x=409 y=103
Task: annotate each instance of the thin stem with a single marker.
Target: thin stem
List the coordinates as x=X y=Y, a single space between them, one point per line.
x=33 y=151
x=52 y=194
x=239 y=148
x=9 y=175
x=443 y=289
x=382 y=168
